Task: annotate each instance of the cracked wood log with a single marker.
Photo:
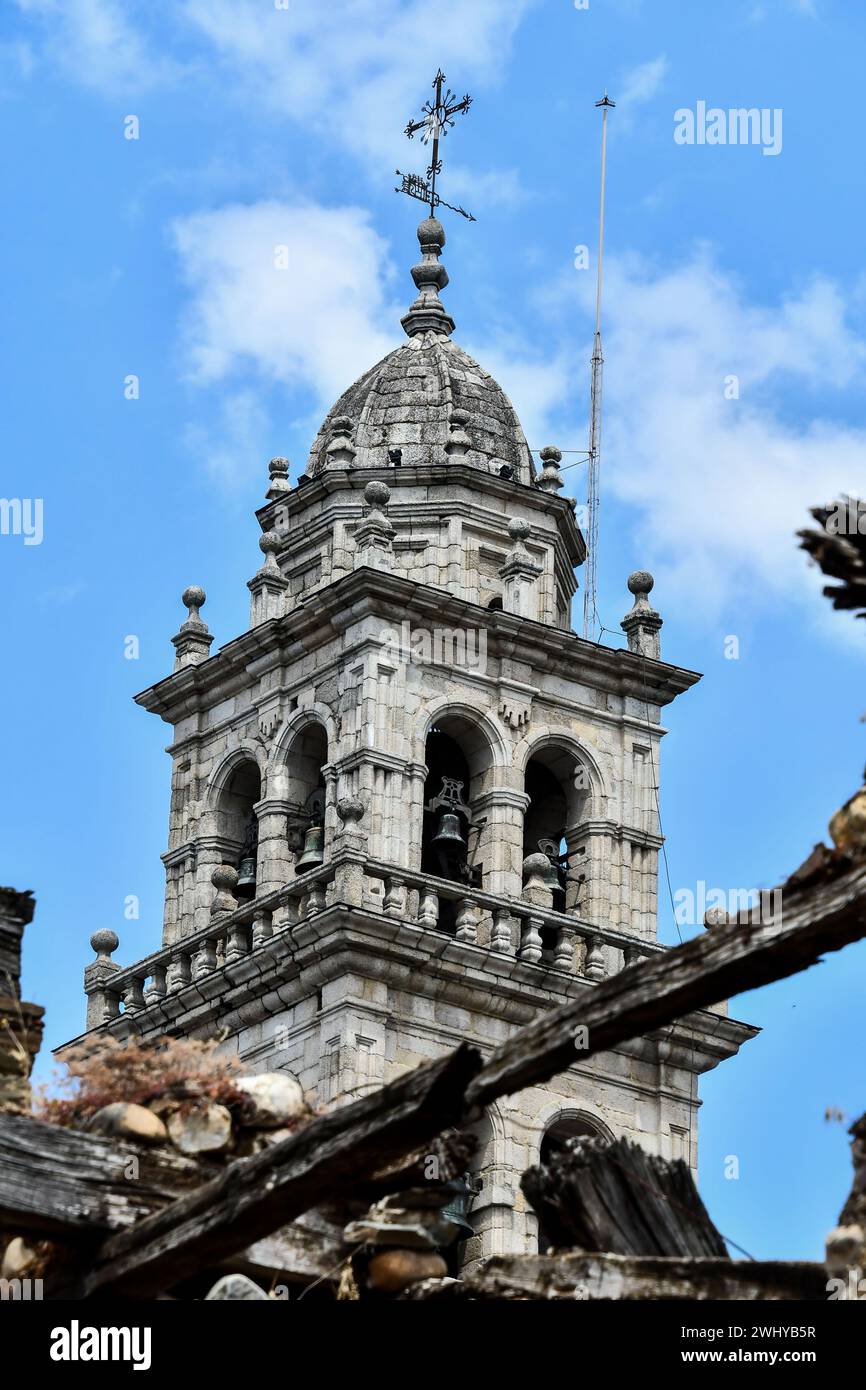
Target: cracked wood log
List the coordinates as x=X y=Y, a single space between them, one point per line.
x=628 y=1278
x=337 y=1155
x=723 y=962
x=619 y=1199
x=65 y=1185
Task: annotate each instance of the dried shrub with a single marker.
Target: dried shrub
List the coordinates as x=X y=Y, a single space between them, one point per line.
x=106 y=1070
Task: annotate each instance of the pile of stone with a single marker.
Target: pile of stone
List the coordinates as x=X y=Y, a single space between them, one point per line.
x=398 y=1244
x=270 y=1108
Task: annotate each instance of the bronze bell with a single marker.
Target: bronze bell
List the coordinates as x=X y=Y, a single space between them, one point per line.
x=247 y=872
x=314 y=849
x=456 y=1209
x=550 y=875
x=449 y=836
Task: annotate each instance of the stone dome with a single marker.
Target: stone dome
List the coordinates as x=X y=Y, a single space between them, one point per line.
x=428 y=399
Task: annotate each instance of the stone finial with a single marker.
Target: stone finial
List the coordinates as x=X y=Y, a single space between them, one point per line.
x=268 y=585
x=459 y=443
x=642 y=624
x=427 y=314
x=192 y=642
x=225 y=880
x=270 y=544
x=373 y=536
x=102 y=1002
x=550 y=478
x=536 y=876
x=278 y=470
x=350 y=836
x=520 y=573
x=340 y=452
x=350 y=809
x=104 y=941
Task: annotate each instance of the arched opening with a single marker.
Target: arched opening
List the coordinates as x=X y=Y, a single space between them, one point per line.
x=306 y=760
x=558 y=1135
x=459 y=758
x=558 y=787
x=238 y=825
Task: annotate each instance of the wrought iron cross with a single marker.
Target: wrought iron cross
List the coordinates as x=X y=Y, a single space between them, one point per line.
x=436 y=120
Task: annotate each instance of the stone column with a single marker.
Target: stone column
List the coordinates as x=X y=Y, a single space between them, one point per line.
x=274 y=859
x=500 y=847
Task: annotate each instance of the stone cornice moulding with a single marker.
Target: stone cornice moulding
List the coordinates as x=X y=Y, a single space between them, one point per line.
x=366 y=591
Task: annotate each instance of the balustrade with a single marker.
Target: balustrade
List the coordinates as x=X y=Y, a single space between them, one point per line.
x=536 y=935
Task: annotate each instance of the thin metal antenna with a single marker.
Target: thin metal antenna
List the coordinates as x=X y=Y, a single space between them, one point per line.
x=590 y=592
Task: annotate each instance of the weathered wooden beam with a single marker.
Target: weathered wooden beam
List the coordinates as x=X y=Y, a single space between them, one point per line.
x=616 y=1198
x=66 y=1185
x=334 y=1156
x=628 y=1278
x=722 y=962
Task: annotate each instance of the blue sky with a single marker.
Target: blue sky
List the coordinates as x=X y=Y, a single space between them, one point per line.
x=260 y=126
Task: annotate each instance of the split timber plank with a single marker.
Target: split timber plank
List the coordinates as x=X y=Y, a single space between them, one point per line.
x=627 y=1278
x=333 y=1157
x=615 y=1198
x=724 y=961
x=67 y=1185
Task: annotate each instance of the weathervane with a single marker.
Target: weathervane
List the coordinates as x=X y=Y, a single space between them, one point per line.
x=438 y=117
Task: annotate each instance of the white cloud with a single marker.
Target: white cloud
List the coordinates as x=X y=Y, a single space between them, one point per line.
x=316 y=325
x=493 y=188
x=353 y=70
x=231 y=447
x=720 y=486
x=639 y=85
x=101 y=45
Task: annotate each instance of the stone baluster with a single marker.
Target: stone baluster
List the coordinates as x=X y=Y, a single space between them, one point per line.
x=395 y=897
x=237 y=942
x=530 y=939
x=466 y=922
x=504 y=934
x=103 y=1003
x=563 y=958
x=133 y=994
x=263 y=928
x=428 y=912
x=156 y=989
x=594 y=968
x=178 y=973
x=205 y=959
x=314 y=899
x=630 y=956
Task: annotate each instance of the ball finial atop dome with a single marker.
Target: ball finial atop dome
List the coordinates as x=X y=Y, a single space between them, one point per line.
x=428 y=314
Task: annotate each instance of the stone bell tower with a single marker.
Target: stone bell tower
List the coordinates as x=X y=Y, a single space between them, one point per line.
x=409 y=805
